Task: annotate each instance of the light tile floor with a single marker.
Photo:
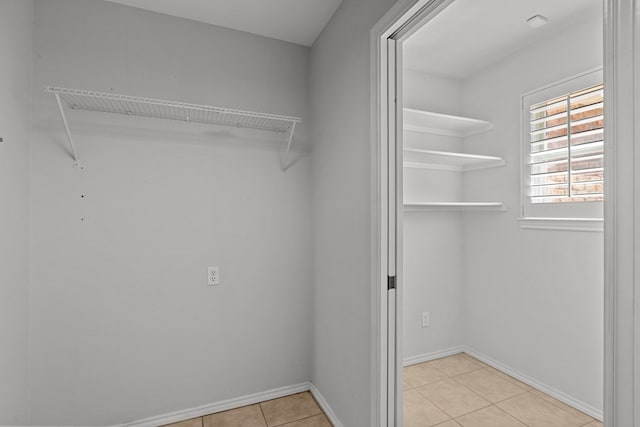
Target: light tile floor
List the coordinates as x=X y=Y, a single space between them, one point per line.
x=297 y=410
x=455 y=391
x=460 y=391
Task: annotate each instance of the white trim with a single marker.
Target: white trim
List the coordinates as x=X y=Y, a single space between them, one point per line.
x=400 y=12
x=324 y=405
x=225 y=405
x=636 y=185
x=414 y=360
x=563 y=80
x=558 y=88
x=401 y=17
x=622 y=259
x=563 y=224
x=562 y=397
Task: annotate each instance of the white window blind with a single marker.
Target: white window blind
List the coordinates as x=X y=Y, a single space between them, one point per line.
x=566 y=148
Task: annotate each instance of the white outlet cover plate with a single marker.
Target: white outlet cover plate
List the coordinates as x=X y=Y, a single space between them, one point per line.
x=213 y=276
x=425 y=319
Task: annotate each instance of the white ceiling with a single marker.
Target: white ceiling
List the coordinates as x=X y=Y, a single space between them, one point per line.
x=471 y=34
x=295 y=21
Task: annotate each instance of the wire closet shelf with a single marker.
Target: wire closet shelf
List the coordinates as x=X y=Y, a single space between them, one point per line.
x=77 y=99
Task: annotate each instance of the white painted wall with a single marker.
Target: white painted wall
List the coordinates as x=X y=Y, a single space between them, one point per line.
x=534 y=299
x=341 y=188
x=16 y=49
x=432 y=241
x=123 y=324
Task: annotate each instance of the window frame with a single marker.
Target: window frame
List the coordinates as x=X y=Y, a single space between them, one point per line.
x=580 y=216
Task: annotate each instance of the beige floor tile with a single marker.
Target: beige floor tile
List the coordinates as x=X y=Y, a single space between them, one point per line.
x=452 y=397
x=419 y=412
x=194 y=422
x=406 y=385
x=470 y=357
x=247 y=416
x=573 y=411
x=594 y=424
x=290 y=408
x=456 y=365
x=449 y=423
x=491 y=416
x=509 y=378
x=489 y=385
x=536 y=412
x=315 y=421
x=421 y=374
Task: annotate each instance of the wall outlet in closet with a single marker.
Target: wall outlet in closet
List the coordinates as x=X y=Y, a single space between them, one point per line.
x=425 y=319
x=214 y=276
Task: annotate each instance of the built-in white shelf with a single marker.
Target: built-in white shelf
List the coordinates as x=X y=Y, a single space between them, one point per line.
x=456 y=206
x=445 y=160
x=77 y=99
x=443 y=124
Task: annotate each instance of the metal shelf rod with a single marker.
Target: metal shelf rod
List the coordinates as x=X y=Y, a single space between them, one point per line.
x=66 y=128
x=286 y=156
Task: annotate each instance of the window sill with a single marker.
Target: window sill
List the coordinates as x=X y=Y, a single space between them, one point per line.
x=562 y=224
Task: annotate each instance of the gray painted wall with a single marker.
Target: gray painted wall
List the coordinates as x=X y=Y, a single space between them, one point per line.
x=16 y=47
x=341 y=182
x=124 y=325
x=432 y=241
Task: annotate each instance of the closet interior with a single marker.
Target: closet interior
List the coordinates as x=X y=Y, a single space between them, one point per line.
x=481 y=276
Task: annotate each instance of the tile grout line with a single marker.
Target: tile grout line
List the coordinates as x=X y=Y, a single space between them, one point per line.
x=476 y=410
x=500 y=409
x=266 y=423
x=555 y=402
x=434 y=404
x=451 y=378
x=531 y=389
x=492 y=403
x=559 y=407
x=301 y=419
x=523 y=391
x=264 y=418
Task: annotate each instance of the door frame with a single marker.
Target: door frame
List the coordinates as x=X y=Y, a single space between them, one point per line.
x=622 y=206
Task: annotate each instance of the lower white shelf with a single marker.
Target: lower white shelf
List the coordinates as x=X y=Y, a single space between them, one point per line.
x=456 y=206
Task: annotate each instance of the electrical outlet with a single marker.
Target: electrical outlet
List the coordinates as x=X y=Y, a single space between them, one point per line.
x=425 y=319
x=214 y=276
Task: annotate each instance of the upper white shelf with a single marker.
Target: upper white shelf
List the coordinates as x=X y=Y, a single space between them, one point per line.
x=445 y=160
x=148 y=107
x=443 y=124
x=455 y=206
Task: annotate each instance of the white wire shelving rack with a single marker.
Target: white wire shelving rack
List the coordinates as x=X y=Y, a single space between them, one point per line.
x=148 y=107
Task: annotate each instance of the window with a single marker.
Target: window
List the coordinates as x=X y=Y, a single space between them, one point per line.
x=563 y=147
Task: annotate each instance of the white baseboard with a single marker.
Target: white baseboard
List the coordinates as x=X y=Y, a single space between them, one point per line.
x=324 y=405
x=563 y=397
x=413 y=360
x=226 y=405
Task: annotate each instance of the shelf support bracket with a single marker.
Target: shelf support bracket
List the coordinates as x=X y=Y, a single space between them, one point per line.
x=286 y=164
x=76 y=163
